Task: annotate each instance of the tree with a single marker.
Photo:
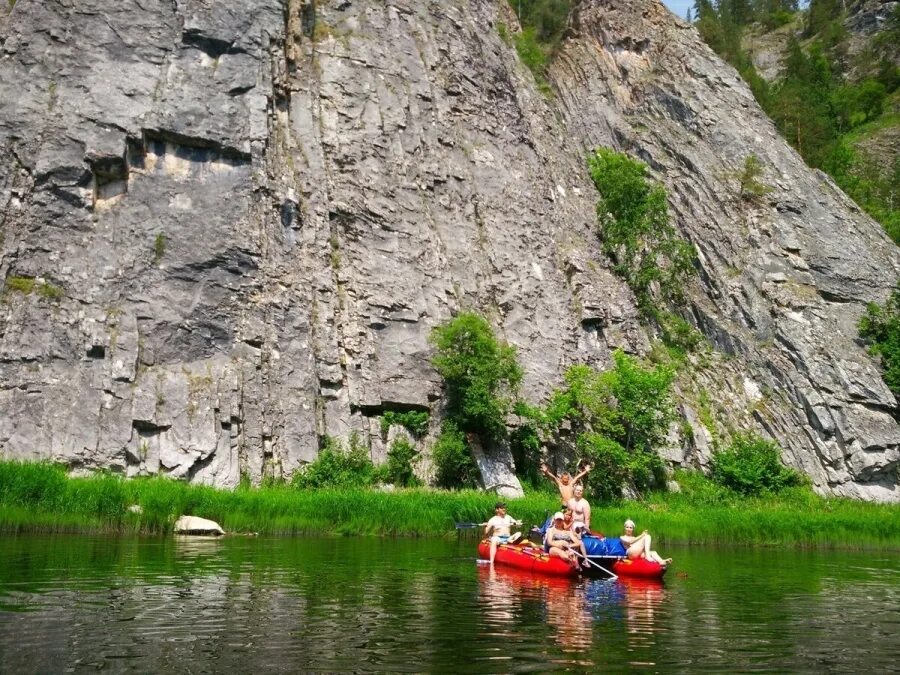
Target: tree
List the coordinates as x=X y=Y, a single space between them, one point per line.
x=481 y=375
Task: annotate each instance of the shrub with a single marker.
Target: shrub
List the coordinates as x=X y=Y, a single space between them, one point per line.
x=752 y=465
x=751 y=187
x=635 y=228
x=525 y=445
x=337 y=467
x=481 y=375
x=454 y=466
x=543 y=23
x=880 y=327
x=23 y=285
x=398 y=469
x=159 y=247
x=414 y=421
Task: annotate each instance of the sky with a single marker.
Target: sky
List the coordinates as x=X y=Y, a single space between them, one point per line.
x=679 y=7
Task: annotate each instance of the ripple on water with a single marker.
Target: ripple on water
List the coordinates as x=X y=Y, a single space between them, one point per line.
x=405 y=606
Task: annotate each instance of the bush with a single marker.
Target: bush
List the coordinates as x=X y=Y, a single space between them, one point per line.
x=543 y=23
x=752 y=465
x=414 y=421
x=525 y=445
x=880 y=327
x=480 y=374
x=635 y=228
x=398 y=469
x=454 y=466
x=751 y=187
x=336 y=467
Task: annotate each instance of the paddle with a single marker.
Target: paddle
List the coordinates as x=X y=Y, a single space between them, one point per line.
x=591 y=563
x=469 y=526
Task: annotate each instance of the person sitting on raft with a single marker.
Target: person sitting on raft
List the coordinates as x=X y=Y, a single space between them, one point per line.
x=498 y=528
x=565 y=482
x=562 y=543
x=639 y=546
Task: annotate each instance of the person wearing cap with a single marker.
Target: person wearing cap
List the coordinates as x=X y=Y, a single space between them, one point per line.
x=498 y=528
x=565 y=482
x=639 y=546
x=562 y=543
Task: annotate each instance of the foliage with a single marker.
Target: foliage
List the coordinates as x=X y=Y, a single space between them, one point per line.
x=751 y=186
x=159 y=247
x=398 y=469
x=824 y=95
x=27 y=285
x=752 y=465
x=618 y=418
x=338 y=467
x=880 y=327
x=481 y=375
x=454 y=466
x=543 y=23
x=525 y=445
x=677 y=334
x=39 y=497
x=23 y=285
x=414 y=421
x=636 y=231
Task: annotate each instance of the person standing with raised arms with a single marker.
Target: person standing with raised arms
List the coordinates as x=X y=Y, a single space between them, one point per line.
x=565 y=482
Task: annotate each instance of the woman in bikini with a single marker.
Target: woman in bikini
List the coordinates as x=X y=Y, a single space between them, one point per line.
x=562 y=543
x=639 y=546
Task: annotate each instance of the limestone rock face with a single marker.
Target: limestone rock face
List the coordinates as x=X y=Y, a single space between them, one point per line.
x=784 y=279
x=240 y=222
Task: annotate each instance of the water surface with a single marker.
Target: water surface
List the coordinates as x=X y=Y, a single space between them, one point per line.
x=75 y=603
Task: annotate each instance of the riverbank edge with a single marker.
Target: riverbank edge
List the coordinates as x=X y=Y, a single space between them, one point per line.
x=39 y=497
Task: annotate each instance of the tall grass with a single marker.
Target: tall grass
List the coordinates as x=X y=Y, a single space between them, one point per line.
x=40 y=497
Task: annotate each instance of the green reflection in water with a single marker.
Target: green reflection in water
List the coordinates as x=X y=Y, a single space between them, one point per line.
x=365 y=604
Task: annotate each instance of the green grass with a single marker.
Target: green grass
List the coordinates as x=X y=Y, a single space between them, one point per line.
x=38 y=497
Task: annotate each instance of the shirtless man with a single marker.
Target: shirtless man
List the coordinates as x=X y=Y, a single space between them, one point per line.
x=565 y=482
x=498 y=528
x=581 y=510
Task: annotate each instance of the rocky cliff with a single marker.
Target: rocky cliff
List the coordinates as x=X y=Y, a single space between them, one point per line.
x=228 y=229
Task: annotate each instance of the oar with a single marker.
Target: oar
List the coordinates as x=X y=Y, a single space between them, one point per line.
x=469 y=526
x=591 y=563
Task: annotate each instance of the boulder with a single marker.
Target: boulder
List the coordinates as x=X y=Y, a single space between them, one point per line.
x=197 y=526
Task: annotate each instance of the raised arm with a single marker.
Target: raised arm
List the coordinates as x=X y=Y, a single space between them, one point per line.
x=587 y=467
x=546 y=471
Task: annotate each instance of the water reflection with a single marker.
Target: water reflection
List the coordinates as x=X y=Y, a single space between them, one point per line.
x=573 y=609
x=178 y=605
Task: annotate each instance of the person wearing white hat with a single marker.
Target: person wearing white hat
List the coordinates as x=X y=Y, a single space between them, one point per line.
x=639 y=546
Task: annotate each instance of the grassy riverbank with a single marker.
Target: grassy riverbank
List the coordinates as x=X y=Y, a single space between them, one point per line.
x=40 y=498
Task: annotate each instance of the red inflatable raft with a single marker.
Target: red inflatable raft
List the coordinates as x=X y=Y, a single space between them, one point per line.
x=637 y=568
x=528 y=558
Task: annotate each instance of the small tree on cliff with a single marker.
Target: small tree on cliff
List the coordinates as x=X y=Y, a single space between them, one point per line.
x=481 y=375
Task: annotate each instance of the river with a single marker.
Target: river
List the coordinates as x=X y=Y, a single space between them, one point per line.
x=268 y=604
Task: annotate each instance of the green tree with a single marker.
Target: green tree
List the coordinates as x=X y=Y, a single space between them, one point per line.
x=617 y=417
x=635 y=229
x=481 y=375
